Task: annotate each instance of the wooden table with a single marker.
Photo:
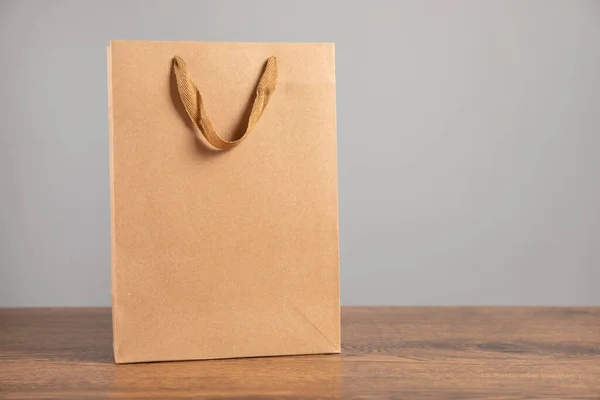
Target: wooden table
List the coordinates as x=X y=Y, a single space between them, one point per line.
x=388 y=352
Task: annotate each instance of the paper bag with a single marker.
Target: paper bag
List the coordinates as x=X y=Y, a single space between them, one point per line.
x=224 y=214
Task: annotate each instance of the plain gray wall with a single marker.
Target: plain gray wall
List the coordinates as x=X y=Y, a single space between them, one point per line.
x=469 y=140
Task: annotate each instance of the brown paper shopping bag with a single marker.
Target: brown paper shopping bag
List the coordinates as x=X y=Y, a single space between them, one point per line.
x=223 y=200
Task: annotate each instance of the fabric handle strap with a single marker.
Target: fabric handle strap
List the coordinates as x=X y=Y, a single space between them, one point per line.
x=194 y=106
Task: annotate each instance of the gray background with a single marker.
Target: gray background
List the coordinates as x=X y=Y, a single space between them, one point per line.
x=469 y=134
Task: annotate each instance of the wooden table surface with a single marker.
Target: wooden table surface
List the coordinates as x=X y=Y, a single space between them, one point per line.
x=388 y=352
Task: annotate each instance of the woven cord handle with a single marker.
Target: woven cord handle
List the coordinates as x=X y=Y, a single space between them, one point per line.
x=194 y=106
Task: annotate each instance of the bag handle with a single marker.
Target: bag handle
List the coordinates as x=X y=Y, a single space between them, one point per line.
x=194 y=106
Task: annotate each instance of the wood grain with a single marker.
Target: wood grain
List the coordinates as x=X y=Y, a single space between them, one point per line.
x=388 y=352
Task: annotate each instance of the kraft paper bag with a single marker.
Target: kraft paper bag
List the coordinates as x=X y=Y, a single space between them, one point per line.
x=224 y=199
